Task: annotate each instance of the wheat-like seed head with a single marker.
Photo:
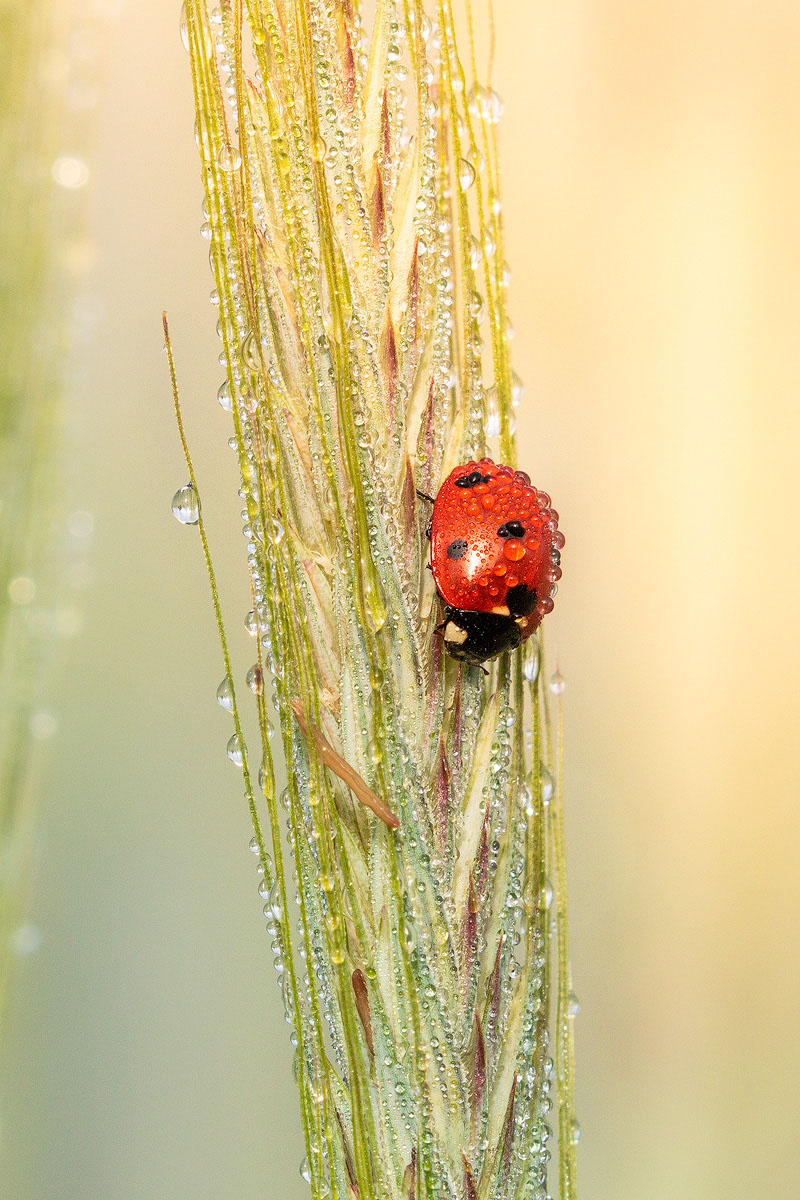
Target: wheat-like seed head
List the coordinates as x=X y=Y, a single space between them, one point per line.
x=352 y=194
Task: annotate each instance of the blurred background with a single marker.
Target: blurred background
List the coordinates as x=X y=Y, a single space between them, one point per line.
x=652 y=186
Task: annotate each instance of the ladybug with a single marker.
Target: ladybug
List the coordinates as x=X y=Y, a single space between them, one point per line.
x=495 y=558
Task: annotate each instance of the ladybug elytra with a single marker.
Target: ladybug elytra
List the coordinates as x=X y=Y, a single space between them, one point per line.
x=495 y=557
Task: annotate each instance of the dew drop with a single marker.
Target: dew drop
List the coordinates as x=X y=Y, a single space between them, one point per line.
x=546 y=783
x=375 y=752
x=492 y=419
x=225 y=397
x=186 y=505
x=466 y=174
x=251 y=624
x=255 y=680
x=225 y=694
x=184 y=27
x=486 y=103
x=557 y=684
x=229 y=158
x=547 y=894
x=305 y=1170
x=574 y=1132
x=254 y=846
x=474 y=252
x=235 y=750
x=274 y=901
x=573 y=1005
x=530 y=667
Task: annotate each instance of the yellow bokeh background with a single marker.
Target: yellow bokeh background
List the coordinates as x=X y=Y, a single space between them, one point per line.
x=651 y=187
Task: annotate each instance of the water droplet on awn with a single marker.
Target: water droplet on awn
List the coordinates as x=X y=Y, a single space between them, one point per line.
x=466 y=174
x=225 y=694
x=184 y=27
x=186 y=505
x=235 y=751
x=255 y=679
x=531 y=666
x=485 y=102
x=225 y=397
x=557 y=684
x=229 y=158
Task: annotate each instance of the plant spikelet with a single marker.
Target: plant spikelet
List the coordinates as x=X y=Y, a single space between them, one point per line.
x=352 y=192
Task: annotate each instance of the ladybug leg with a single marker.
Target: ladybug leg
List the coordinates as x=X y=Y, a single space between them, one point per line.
x=430 y=499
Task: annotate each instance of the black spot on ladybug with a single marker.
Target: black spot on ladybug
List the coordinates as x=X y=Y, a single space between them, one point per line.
x=521 y=600
x=470 y=481
x=457 y=549
x=510 y=529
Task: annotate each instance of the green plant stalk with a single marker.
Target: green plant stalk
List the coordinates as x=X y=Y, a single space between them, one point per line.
x=351 y=230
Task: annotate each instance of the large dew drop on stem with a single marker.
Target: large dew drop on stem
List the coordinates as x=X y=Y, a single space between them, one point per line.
x=184 y=27
x=225 y=695
x=484 y=102
x=234 y=750
x=186 y=505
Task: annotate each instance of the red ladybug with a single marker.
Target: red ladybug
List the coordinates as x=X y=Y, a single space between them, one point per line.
x=495 y=555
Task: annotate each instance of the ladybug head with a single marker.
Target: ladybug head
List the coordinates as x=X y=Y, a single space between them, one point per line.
x=475 y=637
